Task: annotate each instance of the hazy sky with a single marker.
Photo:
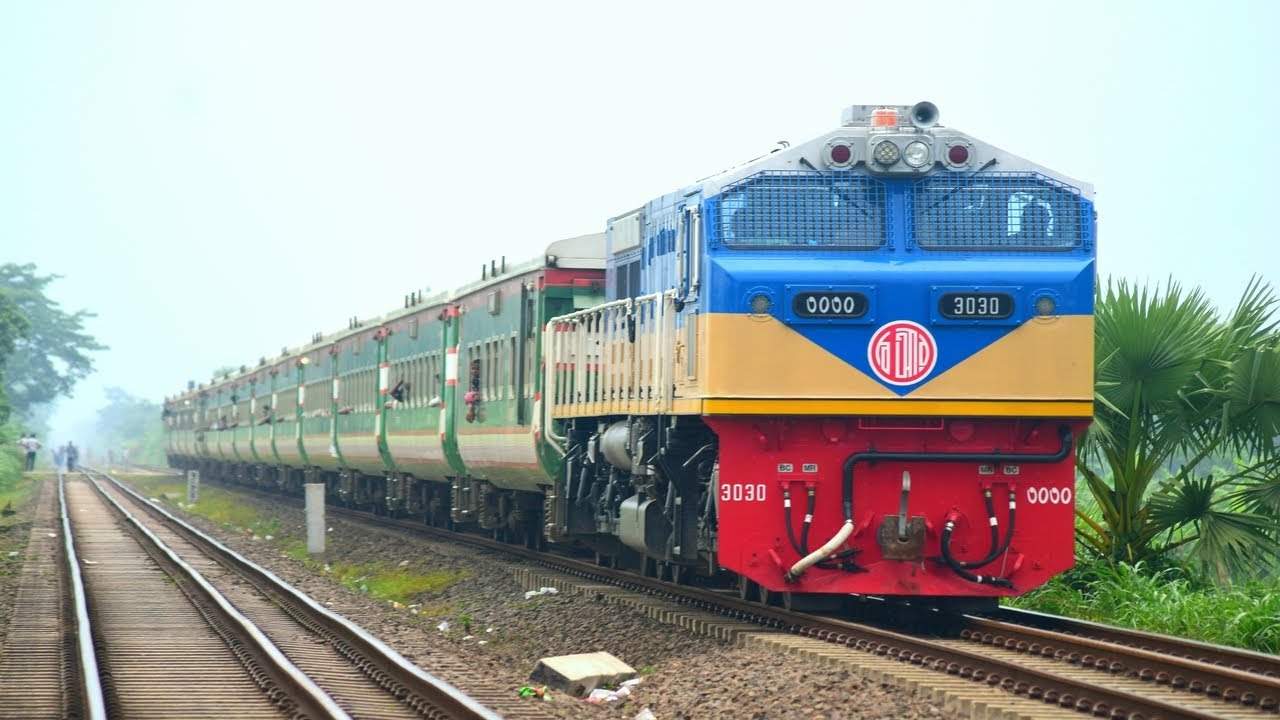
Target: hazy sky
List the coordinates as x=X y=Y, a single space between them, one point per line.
x=219 y=179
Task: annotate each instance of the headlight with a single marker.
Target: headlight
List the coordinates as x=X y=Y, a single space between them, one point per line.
x=916 y=154
x=887 y=153
x=1045 y=305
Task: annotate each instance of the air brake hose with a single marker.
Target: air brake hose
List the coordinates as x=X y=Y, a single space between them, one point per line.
x=808 y=520
x=996 y=546
x=791 y=533
x=873 y=456
x=958 y=567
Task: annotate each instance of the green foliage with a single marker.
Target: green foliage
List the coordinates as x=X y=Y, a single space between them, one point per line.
x=14 y=487
x=11 y=456
x=53 y=353
x=1176 y=385
x=1171 y=599
x=133 y=424
x=13 y=326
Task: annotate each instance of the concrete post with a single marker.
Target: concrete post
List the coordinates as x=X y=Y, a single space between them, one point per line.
x=315 y=518
x=193 y=486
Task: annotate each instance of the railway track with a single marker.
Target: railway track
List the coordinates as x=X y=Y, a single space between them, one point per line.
x=1063 y=665
x=150 y=618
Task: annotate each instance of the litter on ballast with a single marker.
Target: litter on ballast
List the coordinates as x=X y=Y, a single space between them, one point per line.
x=604 y=695
x=541 y=591
x=534 y=691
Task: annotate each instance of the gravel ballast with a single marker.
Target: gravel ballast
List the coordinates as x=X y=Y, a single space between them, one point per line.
x=684 y=675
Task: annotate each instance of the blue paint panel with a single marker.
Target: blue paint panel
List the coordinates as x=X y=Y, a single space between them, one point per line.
x=901 y=243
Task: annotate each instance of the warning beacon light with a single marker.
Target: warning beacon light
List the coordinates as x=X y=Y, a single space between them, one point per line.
x=900 y=140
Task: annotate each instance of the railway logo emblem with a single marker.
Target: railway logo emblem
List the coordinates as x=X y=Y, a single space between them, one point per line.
x=902 y=353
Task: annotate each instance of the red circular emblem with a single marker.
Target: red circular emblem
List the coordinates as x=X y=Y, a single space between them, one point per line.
x=902 y=352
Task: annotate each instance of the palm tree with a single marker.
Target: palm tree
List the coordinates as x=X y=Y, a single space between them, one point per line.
x=1177 y=385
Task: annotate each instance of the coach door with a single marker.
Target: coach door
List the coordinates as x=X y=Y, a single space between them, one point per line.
x=526 y=358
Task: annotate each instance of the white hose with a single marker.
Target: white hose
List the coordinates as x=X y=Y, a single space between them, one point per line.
x=845 y=531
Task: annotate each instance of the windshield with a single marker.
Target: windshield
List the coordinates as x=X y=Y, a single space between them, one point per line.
x=997 y=211
x=803 y=209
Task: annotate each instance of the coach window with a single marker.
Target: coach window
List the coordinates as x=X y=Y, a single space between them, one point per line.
x=491 y=391
x=420 y=390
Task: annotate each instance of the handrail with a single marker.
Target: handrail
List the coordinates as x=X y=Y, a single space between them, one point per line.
x=609 y=359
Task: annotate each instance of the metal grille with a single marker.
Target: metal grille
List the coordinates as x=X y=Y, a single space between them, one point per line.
x=781 y=209
x=997 y=211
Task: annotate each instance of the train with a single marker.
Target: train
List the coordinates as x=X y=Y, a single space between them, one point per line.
x=856 y=366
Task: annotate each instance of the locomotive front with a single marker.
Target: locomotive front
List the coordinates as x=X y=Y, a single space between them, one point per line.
x=899 y=359
x=859 y=364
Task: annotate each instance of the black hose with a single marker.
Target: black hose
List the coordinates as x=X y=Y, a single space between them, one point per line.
x=808 y=520
x=957 y=566
x=995 y=533
x=997 y=548
x=791 y=532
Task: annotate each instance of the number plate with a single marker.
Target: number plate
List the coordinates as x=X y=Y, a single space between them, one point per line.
x=975 y=306
x=839 y=305
x=830 y=304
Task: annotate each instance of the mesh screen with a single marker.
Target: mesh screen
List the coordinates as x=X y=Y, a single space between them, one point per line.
x=803 y=209
x=996 y=211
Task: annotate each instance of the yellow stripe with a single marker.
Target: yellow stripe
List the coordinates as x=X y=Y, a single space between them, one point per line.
x=901 y=407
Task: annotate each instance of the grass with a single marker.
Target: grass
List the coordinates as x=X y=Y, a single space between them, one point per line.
x=19 y=491
x=16 y=494
x=1169 y=601
x=399 y=583
x=394 y=584
x=215 y=505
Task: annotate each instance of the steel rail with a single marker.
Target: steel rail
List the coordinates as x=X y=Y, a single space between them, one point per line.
x=94 y=705
x=1236 y=658
x=439 y=693
x=314 y=698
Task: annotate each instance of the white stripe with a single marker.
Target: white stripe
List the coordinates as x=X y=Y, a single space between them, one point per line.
x=993 y=521
x=337 y=383
x=451 y=366
x=808 y=519
x=383 y=373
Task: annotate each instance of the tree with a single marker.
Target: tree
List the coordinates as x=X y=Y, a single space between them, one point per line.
x=132 y=424
x=1175 y=386
x=53 y=354
x=13 y=326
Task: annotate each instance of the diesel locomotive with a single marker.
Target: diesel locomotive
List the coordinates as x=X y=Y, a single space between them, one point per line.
x=854 y=365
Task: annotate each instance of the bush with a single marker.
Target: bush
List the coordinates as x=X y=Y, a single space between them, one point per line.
x=1172 y=600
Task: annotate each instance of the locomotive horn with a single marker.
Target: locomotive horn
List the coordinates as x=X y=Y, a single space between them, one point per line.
x=924 y=114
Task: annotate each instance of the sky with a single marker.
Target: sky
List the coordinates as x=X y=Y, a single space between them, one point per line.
x=217 y=180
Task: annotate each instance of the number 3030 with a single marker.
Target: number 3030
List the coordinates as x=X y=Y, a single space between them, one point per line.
x=742 y=492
